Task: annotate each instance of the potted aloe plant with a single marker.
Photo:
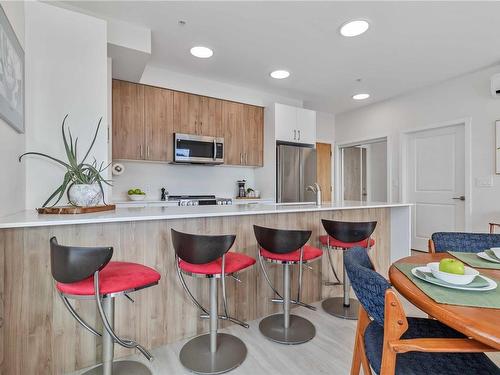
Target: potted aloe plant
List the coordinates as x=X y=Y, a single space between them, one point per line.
x=82 y=182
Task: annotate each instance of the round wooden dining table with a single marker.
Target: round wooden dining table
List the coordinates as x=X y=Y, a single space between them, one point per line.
x=481 y=324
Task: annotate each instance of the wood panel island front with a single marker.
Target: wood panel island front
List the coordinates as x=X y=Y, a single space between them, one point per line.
x=39 y=336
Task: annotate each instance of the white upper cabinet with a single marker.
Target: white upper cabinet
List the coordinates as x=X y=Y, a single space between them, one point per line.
x=295 y=125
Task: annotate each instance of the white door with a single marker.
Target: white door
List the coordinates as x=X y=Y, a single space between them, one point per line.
x=436 y=182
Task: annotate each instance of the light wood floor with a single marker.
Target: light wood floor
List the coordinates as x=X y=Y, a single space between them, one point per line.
x=329 y=352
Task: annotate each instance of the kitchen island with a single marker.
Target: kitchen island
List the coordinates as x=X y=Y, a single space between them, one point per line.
x=38 y=335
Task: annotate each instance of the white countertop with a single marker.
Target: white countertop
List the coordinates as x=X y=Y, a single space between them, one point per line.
x=30 y=218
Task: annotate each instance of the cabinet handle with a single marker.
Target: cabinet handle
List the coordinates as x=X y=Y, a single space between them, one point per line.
x=299 y=134
x=294 y=134
x=147 y=151
x=241 y=158
x=246 y=158
x=140 y=151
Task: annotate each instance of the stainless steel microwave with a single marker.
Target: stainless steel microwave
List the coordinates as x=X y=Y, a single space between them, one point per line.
x=198 y=149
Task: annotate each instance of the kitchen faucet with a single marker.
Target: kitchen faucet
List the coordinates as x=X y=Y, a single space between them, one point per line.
x=316 y=189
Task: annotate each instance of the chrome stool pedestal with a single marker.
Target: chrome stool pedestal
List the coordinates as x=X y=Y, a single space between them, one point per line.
x=213 y=353
x=351 y=234
x=286 y=247
x=209 y=257
x=287 y=328
x=342 y=307
x=109 y=366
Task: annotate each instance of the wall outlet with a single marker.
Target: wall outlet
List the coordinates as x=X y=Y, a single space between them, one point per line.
x=484 y=182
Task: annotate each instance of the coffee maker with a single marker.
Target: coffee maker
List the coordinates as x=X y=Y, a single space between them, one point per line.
x=242 y=191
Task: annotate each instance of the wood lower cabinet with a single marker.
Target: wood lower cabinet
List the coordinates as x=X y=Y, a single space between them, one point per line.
x=145 y=118
x=159 y=123
x=128 y=121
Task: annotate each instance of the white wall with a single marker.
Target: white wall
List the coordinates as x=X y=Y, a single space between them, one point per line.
x=464 y=97
x=11 y=143
x=178 y=179
x=66 y=68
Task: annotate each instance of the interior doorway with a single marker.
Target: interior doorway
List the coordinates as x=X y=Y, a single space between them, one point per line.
x=435 y=181
x=363 y=170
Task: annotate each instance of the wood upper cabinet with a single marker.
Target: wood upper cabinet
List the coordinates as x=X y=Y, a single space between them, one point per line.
x=186 y=113
x=128 y=121
x=232 y=125
x=145 y=118
x=243 y=128
x=253 y=135
x=210 y=118
x=159 y=123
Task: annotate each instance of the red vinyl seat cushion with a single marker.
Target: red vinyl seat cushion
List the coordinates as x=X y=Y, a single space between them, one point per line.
x=115 y=277
x=310 y=253
x=346 y=245
x=234 y=262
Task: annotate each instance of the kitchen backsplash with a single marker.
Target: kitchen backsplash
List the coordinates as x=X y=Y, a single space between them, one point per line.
x=180 y=179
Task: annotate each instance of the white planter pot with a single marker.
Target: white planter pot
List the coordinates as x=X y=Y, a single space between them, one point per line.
x=85 y=195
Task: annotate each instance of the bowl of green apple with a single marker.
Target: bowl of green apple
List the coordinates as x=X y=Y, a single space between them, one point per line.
x=136 y=195
x=453 y=271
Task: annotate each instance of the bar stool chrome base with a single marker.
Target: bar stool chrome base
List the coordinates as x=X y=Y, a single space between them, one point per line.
x=299 y=331
x=196 y=356
x=121 y=368
x=335 y=306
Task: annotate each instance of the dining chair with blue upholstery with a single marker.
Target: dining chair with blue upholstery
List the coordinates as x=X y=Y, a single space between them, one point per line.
x=390 y=343
x=442 y=242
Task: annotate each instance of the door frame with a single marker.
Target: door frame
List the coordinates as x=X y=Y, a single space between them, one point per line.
x=339 y=182
x=403 y=170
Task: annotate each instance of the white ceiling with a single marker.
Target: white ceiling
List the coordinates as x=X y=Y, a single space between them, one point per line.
x=409 y=44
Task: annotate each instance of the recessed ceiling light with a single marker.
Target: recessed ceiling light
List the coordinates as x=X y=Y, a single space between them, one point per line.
x=280 y=74
x=202 y=52
x=361 y=96
x=354 y=28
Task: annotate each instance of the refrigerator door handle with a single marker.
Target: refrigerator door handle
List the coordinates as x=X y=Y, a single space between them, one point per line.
x=279 y=175
x=301 y=176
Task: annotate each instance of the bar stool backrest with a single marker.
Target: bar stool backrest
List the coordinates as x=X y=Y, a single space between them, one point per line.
x=347 y=231
x=201 y=249
x=281 y=241
x=70 y=264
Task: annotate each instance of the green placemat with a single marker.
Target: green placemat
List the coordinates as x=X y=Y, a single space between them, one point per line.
x=474 y=261
x=489 y=299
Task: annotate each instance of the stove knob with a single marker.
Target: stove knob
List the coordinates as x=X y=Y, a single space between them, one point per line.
x=219 y=203
x=195 y=203
x=229 y=201
x=189 y=203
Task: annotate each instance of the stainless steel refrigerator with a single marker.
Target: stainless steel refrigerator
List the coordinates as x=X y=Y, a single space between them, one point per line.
x=295 y=170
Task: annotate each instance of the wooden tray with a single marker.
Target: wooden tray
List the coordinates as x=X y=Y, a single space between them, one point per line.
x=70 y=210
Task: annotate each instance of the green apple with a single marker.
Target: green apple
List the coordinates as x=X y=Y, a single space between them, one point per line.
x=131 y=192
x=452 y=266
x=137 y=191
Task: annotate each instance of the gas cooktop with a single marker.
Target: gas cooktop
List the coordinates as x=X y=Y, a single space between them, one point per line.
x=200 y=200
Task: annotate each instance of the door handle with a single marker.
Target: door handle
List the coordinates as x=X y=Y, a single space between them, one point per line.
x=294 y=135
x=460 y=198
x=299 y=134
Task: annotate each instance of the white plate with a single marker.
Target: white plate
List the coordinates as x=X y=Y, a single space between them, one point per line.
x=492 y=284
x=487 y=257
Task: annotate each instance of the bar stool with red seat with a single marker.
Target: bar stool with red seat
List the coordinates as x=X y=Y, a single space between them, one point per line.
x=86 y=272
x=286 y=247
x=209 y=257
x=344 y=235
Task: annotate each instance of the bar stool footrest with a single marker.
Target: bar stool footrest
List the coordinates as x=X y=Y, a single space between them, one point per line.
x=122 y=368
x=335 y=306
x=300 y=330
x=195 y=355
x=294 y=302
